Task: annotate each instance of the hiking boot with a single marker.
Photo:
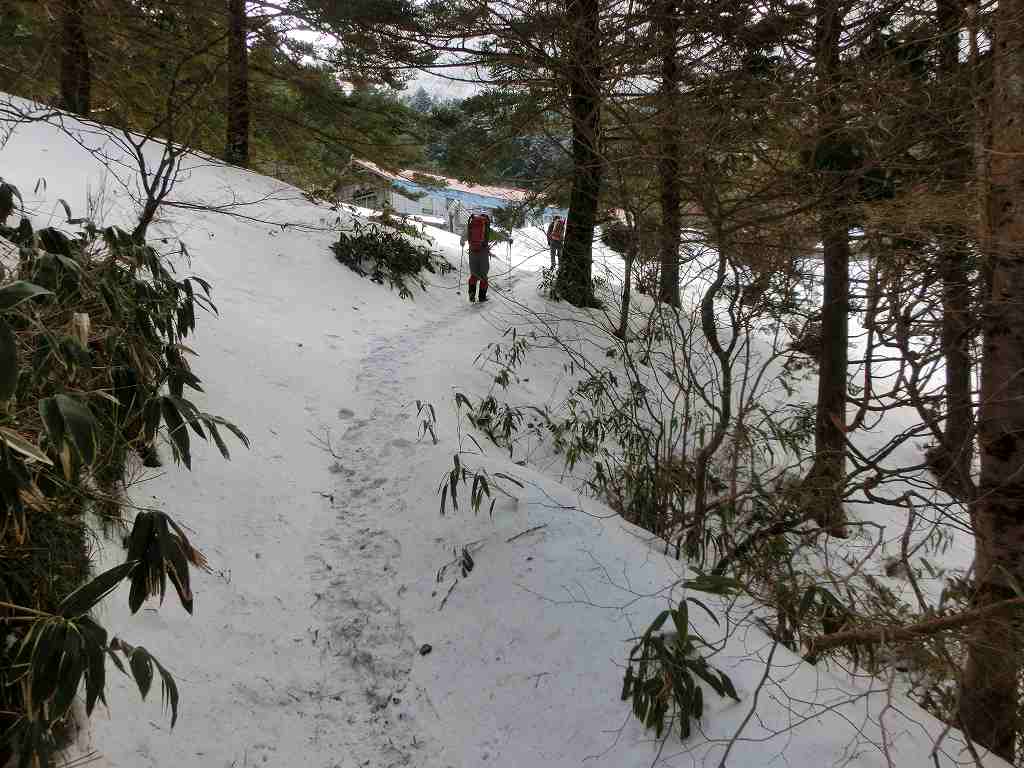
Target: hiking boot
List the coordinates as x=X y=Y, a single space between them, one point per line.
x=483 y=292
x=472 y=292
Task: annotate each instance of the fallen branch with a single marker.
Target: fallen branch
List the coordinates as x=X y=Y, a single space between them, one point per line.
x=912 y=631
x=528 y=530
x=447 y=595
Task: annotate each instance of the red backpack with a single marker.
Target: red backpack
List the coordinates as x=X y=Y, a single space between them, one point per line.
x=477 y=230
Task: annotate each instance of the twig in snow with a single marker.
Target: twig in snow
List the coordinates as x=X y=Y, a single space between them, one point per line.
x=528 y=530
x=86 y=759
x=447 y=595
x=463 y=559
x=324 y=442
x=886 y=745
x=536 y=678
x=753 y=706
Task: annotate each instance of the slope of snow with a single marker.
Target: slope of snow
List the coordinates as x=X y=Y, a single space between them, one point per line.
x=331 y=560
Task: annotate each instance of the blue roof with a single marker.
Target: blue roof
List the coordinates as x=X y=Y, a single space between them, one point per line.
x=468 y=199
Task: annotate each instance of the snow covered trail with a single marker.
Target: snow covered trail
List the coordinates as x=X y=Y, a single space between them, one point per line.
x=301 y=653
x=369 y=450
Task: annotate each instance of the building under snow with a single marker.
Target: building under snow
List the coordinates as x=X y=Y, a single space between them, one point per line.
x=432 y=198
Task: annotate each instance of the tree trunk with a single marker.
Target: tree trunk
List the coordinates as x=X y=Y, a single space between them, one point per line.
x=574 y=282
x=824 y=483
x=629 y=258
x=989 y=707
x=696 y=527
x=827 y=476
x=955 y=269
x=75 y=67
x=670 y=129
x=237 y=148
x=958 y=433
x=146 y=217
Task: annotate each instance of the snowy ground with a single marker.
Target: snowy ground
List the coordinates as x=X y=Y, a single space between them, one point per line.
x=305 y=647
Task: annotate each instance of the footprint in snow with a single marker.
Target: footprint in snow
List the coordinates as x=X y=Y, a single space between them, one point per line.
x=355 y=429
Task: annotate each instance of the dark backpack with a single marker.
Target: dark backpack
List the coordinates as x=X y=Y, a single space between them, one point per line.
x=477 y=231
x=557 y=229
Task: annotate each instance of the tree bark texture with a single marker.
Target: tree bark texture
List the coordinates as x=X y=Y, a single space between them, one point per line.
x=237 y=146
x=574 y=282
x=629 y=259
x=989 y=708
x=955 y=270
x=825 y=481
x=958 y=431
x=75 y=66
x=670 y=131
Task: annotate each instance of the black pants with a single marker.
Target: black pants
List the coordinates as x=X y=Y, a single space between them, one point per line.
x=556 y=252
x=479 y=263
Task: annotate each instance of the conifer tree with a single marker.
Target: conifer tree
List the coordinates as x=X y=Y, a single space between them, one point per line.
x=75 y=65
x=990 y=709
x=836 y=158
x=670 y=128
x=583 y=70
x=237 y=146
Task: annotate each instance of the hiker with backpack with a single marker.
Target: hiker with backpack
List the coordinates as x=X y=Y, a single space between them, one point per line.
x=478 y=231
x=556 y=231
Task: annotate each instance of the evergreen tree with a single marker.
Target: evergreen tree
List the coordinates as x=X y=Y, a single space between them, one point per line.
x=583 y=71
x=421 y=101
x=954 y=160
x=75 y=67
x=237 y=145
x=990 y=709
x=836 y=158
x=670 y=127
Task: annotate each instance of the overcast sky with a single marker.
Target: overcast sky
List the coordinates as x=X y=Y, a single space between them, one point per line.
x=445 y=87
x=433 y=84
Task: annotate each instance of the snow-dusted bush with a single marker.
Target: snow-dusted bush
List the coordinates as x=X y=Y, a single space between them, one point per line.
x=384 y=255
x=91 y=365
x=665 y=668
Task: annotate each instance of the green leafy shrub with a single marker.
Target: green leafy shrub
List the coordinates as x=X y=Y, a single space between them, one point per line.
x=546 y=284
x=503 y=424
x=509 y=218
x=637 y=466
x=401 y=223
x=428 y=420
x=383 y=256
x=664 y=669
x=499 y=421
x=480 y=482
x=92 y=367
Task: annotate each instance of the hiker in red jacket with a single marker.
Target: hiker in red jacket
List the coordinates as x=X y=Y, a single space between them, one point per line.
x=478 y=231
x=556 y=231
